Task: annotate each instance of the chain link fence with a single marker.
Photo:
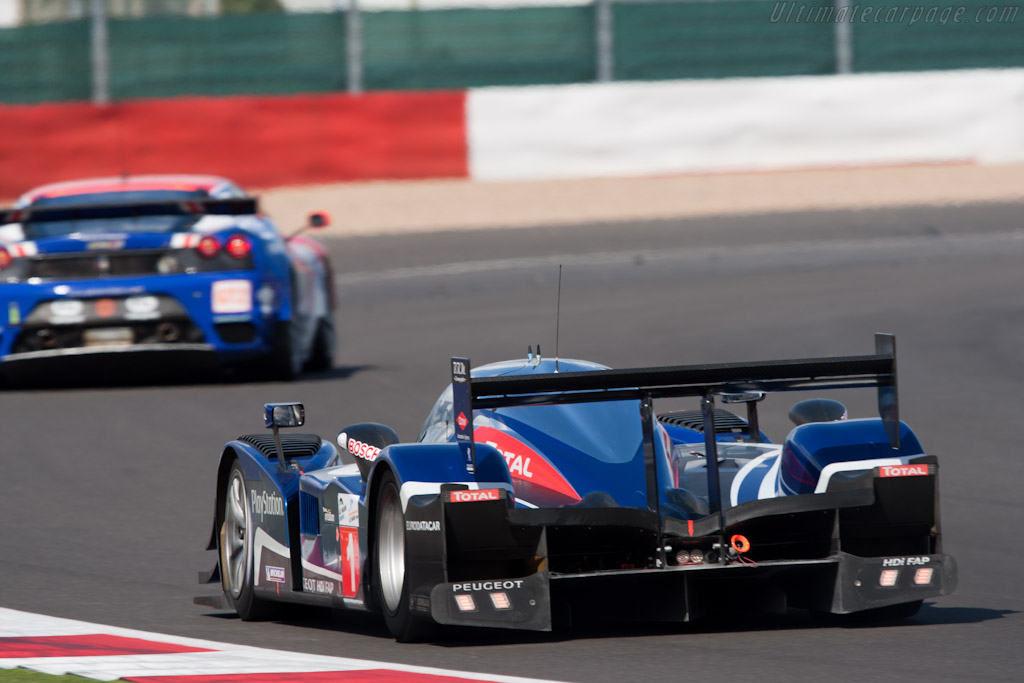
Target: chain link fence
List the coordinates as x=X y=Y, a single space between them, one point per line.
x=109 y=50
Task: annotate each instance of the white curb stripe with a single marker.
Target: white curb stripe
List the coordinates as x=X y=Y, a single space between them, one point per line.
x=226 y=658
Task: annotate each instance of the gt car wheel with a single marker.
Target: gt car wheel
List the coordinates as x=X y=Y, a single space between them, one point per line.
x=321 y=358
x=389 y=562
x=283 y=363
x=236 y=550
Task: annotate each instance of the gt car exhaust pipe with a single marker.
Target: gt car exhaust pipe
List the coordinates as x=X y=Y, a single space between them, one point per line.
x=47 y=338
x=168 y=332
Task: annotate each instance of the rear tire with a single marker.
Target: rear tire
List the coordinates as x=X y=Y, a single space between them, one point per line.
x=282 y=363
x=236 y=550
x=321 y=357
x=390 y=565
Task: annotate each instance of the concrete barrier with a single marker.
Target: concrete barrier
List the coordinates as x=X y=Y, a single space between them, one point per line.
x=629 y=129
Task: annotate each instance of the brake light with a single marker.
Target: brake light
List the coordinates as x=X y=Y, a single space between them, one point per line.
x=208 y=246
x=238 y=246
x=5 y=258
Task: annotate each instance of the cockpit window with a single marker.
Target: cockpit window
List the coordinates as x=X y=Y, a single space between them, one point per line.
x=438 y=426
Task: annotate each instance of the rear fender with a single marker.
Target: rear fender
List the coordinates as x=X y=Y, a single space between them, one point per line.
x=816 y=447
x=421 y=470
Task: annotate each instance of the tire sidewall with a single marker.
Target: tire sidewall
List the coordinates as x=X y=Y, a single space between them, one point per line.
x=247 y=605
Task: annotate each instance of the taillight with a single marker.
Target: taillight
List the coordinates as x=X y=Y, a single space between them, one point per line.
x=208 y=246
x=238 y=246
x=5 y=258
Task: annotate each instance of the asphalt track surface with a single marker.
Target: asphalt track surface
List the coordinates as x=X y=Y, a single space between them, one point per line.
x=106 y=486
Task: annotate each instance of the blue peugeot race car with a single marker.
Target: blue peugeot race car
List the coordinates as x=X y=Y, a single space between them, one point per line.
x=159 y=267
x=543 y=492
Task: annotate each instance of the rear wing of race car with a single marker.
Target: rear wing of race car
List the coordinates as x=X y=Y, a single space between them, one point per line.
x=707 y=381
x=242 y=206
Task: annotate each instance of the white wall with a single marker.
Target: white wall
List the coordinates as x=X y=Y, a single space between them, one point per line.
x=648 y=128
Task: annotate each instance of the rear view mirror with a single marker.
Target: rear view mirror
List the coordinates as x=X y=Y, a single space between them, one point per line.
x=319 y=219
x=277 y=415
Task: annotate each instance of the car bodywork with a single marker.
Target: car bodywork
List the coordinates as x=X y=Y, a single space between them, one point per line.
x=540 y=490
x=162 y=266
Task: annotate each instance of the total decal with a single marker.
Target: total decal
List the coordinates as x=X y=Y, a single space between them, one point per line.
x=474 y=496
x=524 y=463
x=266 y=503
x=903 y=471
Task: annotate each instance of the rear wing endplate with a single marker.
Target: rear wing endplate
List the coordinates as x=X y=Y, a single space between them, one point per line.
x=243 y=206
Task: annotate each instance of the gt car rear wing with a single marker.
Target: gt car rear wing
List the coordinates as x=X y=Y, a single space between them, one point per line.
x=645 y=384
x=183 y=207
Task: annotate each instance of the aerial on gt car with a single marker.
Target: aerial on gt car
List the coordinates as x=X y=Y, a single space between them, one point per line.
x=542 y=492
x=175 y=266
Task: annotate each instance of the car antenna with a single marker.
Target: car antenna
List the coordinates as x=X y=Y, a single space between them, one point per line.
x=558 y=313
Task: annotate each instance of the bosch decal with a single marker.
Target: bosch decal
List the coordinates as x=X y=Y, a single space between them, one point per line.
x=473 y=496
x=470 y=586
x=275 y=574
x=362 y=450
x=266 y=503
x=418 y=525
x=903 y=471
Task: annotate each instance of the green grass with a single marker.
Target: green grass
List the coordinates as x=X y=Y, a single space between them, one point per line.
x=26 y=676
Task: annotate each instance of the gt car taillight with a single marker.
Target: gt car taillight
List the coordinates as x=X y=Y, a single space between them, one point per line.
x=238 y=246
x=5 y=258
x=208 y=246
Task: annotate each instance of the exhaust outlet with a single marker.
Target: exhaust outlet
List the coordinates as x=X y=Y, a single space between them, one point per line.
x=47 y=338
x=168 y=332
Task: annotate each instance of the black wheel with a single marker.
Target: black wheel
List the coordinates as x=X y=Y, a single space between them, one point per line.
x=389 y=567
x=236 y=550
x=321 y=357
x=282 y=363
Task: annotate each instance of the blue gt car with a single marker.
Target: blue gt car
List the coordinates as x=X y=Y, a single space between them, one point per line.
x=542 y=492
x=177 y=267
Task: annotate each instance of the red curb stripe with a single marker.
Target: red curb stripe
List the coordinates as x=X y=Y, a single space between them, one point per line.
x=87 y=646
x=360 y=676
